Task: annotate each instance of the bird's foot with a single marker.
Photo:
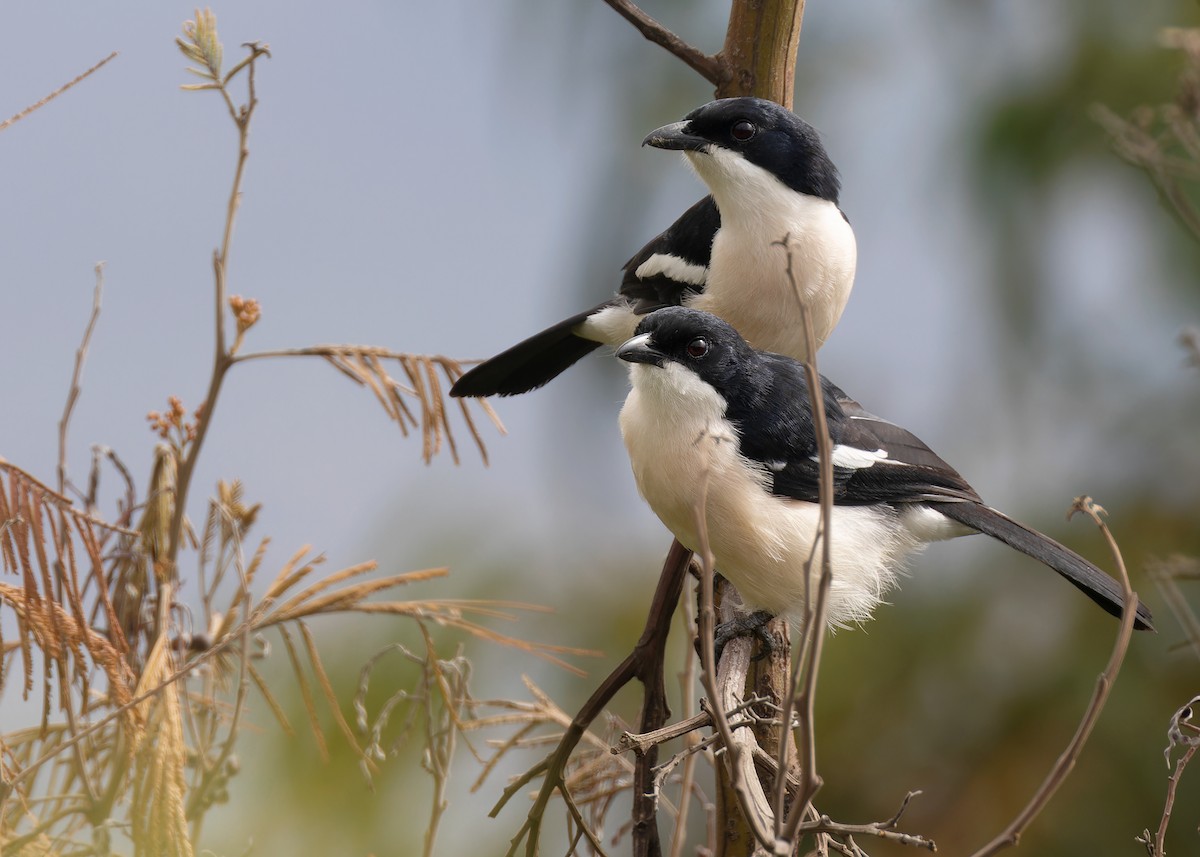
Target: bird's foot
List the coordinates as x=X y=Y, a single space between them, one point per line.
x=745 y=625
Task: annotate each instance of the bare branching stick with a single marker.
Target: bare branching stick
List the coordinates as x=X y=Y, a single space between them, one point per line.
x=53 y=95
x=203 y=48
x=880 y=830
x=655 y=711
x=641 y=742
x=1157 y=846
x=643 y=663
x=1011 y=835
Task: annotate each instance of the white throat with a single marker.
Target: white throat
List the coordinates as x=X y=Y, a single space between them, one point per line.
x=763 y=221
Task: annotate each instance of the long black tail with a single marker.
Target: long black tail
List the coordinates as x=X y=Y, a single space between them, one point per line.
x=1094 y=583
x=528 y=364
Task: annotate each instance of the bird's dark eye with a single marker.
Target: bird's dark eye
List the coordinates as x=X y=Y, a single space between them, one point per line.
x=697 y=348
x=743 y=130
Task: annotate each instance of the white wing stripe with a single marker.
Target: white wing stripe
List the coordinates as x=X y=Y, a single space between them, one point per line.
x=852 y=458
x=674 y=268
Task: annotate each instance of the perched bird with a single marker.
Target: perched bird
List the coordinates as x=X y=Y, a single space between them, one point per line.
x=706 y=408
x=771 y=182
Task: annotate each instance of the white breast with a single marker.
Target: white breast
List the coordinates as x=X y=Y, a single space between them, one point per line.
x=748 y=283
x=678 y=438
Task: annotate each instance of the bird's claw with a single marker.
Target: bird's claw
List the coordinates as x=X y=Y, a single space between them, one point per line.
x=745 y=625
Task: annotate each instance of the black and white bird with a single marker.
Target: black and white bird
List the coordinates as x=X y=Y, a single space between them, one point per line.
x=771 y=182
x=704 y=405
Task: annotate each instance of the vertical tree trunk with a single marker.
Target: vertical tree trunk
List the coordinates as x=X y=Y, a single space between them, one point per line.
x=759 y=58
x=760 y=49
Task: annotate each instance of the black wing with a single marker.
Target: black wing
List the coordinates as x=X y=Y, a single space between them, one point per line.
x=684 y=249
x=875 y=461
x=530 y=363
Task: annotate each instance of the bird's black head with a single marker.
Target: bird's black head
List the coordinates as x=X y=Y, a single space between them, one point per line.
x=695 y=341
x=763 y=133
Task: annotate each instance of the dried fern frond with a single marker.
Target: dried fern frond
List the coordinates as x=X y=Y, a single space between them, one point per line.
x=365 y=365
x=420 y=390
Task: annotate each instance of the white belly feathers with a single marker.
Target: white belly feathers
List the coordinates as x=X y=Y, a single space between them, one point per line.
x=762 y=543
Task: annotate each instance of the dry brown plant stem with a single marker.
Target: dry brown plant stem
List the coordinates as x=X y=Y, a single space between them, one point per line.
x=1011 y=835
x=222 y=359
x=53 y=95
x=1159 y=846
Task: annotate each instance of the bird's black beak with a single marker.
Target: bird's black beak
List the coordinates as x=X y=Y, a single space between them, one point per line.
x=639 y=350
x=676 y=136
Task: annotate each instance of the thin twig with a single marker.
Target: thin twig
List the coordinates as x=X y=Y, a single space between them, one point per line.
x=1157 y=846
x=641 y=742
x=641 y=664
x=1011 y=835
x=77 y=379
x=711 y=68
x=222 y=360
x=813 y=638
x=687 y=683
x=53 y=95
x=880 y=830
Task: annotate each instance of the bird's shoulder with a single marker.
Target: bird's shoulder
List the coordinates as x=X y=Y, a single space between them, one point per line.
x=674 y=262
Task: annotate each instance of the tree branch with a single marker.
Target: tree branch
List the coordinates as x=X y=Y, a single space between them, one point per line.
x=711 y=68
x=644 y=663
x=760 y=50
